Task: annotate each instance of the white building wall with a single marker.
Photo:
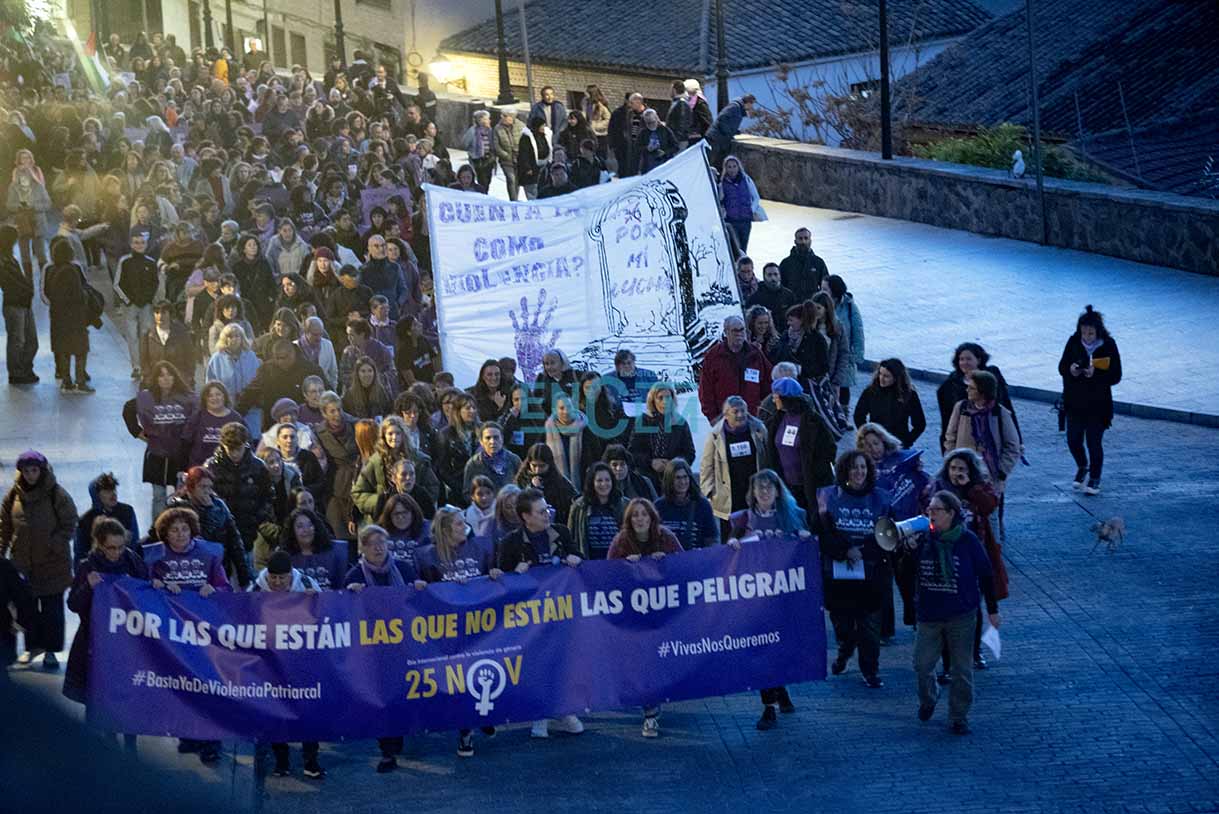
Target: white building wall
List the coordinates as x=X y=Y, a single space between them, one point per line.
x=837 y=74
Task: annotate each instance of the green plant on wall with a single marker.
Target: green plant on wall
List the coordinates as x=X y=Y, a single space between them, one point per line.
x=14 y=13
x=994 y=146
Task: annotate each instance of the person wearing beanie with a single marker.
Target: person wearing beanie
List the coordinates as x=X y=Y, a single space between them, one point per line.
x=799 y=443
x=37 y=521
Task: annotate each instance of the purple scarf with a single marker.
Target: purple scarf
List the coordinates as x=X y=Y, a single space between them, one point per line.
x=389 y=567
x=979 y=427
x=308 y=349
x=497 y=463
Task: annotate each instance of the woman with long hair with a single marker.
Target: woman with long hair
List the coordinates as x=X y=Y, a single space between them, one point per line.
x=682 y=508
x=662 y=434
x=891 y=401
x=29 y=202
x=771 y=512
x=538 y=470
x=365 y=396
x=404 y=522
x=642 y=535
x=458 y=443
x=802 y=344
x=1090 y=366
x=966 y=358
x=760 y=330
x=570 y=439
x=202 y=431
x=596 y=515
x=491 y=394
x=158 y=416
x=456 y=555
x=856 y=570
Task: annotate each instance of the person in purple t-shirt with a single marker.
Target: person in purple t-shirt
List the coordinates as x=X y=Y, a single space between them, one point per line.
x=190 y=565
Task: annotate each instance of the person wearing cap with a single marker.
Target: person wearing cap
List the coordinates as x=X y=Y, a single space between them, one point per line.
x=280 y=577
x=733 y=367
x=287 y=411
x=135 y=287
x=37 y=522
x=799 y=443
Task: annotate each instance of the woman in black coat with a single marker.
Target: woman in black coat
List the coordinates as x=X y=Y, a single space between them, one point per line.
x=968 y=357
x=532 y=151
x=892 y=402
x=662 y=435
x=63 y=289
x=1090 y=366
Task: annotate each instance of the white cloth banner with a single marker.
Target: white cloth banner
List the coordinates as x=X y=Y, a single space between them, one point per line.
x=639 y=263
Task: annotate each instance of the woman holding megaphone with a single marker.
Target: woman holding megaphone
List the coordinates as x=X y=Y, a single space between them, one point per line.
x=954 y=575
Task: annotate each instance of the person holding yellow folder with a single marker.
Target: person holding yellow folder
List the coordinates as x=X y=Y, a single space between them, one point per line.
x=1090 y=366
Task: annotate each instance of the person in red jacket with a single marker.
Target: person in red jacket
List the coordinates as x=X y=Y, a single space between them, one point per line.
x=733 y=367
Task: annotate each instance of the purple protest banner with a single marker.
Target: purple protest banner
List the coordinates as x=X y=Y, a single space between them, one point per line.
x=557 y=640
x=379 y=196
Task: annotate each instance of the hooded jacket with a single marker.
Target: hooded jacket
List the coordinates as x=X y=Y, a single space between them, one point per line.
x=121 y=512
x=36 y=527
x=300 y=583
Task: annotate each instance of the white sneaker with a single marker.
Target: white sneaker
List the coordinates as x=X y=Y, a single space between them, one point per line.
x=651 y=728
x=569 y=724
x=28 y=656
x=540 y=729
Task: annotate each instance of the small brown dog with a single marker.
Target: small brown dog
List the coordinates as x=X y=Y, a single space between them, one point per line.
x=1111 y=532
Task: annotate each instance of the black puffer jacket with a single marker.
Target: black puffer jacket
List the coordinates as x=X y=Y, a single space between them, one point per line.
x=246 y=488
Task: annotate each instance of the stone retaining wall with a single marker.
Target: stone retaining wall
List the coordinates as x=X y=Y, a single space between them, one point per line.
x=1148 y=227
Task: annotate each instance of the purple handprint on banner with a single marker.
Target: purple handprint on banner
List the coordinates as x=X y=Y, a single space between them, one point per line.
x=531 y=344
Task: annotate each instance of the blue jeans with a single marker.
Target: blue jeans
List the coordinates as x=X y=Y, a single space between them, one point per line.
x=22 y=344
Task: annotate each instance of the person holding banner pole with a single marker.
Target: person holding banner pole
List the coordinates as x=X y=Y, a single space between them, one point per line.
x=539 y=542
x=642 y=535
x=376 y=568
x=771 y=511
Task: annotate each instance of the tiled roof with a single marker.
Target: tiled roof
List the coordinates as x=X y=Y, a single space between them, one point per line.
x=1161 y=57
x=1168 y=156
x=668 y=35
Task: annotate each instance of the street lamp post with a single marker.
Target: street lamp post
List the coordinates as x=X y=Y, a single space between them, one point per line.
x=505 y=86
x=886 y=123
x=230 y=36
x=721 y=59
x=340 y=47
x=1036 y=103
x=208 y=41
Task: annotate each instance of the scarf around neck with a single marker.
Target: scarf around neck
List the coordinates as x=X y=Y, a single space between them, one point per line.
x=979 y=427
x=389 y=567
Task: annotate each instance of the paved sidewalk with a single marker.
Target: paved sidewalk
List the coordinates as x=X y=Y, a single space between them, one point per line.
x=923 y=289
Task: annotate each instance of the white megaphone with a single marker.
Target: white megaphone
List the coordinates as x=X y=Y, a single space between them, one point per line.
x=889 y=533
